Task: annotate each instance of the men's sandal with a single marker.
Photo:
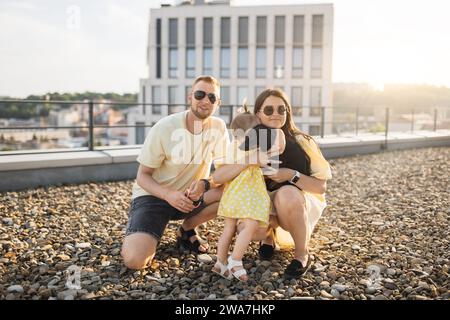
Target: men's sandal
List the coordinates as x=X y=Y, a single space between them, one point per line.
x=184 y=242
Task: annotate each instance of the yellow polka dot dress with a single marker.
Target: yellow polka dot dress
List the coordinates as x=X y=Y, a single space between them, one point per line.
x=246 y=197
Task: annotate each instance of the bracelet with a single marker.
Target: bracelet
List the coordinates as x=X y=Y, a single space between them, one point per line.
x=207 y=184
x=199 y=201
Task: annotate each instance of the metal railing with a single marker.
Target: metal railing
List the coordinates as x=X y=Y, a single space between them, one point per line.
x=324 y=120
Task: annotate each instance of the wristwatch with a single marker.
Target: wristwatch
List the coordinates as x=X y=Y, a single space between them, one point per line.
x=199 y=201
x=295 y=178
x=207 y=184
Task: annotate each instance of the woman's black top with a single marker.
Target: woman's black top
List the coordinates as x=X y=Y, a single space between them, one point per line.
x=293 y=157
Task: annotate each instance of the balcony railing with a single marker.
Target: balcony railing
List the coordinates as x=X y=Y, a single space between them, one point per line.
x=93 y=121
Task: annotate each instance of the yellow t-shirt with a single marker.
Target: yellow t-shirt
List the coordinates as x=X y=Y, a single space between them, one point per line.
x=179 y=156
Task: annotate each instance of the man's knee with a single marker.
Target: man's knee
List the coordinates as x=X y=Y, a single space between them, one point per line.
x=135 y=261
x=138 y=250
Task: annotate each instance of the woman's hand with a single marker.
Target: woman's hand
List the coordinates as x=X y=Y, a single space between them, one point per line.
x=281 y=175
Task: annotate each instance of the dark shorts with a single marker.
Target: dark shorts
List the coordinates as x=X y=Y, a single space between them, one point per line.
x=150 y=214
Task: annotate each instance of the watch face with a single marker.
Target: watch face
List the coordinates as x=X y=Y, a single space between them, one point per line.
x=295 y=178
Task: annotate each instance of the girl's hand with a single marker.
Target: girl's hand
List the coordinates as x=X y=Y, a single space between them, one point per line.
x=281 y=175
x=195 y=191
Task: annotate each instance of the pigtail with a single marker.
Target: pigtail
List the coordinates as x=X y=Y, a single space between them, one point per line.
x=244 y=109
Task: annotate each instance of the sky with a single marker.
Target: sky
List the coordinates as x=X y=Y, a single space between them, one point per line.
x=85 y=45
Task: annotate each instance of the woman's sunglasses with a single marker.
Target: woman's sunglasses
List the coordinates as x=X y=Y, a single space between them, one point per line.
x=199 y=95
x=268 y=110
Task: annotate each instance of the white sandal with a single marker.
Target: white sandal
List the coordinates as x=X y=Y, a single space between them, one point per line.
x=239 y=273
x=223 y=270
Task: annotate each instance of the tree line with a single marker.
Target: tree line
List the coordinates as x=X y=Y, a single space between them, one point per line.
x=25 y=110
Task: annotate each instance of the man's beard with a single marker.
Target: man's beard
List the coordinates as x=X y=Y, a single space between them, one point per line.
x=199 y=115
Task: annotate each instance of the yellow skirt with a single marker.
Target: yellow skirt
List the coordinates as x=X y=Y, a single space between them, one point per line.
x=246 y=197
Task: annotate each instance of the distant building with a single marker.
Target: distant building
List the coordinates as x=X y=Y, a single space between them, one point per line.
x=247 y=48
x=66 y=117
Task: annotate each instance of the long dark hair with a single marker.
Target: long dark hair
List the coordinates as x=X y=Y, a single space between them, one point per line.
x=289 y=128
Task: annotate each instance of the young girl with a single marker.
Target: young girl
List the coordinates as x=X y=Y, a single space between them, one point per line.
x=245 y=198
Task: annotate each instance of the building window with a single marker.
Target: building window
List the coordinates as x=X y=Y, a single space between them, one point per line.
x=242 y=95
x=207 y=60
x=297 y=101
x=173 y=63
x=279 y=30
x=190 y=32
x=225 y=47
x=140 y=132
x=316 y=62
x=317 y=30
x=225 y=62
x=315 y=101
x=190 y=48
x=317 y=41
x=225 y=106
x=261 y=53
x=297 y=62
x=261 y=31
x=279 y=47
x=207 y=32
x=243 y=62
x=243 y=47
x=225 y=24
x=314 y=130
x=173 y=48
x=243 y=31
x=297 y=51
x=279 y=62
x=190 y=63
x=158 y=48
x=207 y=45
x=173 y=108
x=156 y=100
x=298 y=30
x=261 y=43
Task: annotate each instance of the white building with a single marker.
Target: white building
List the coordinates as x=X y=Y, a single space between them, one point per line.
x=248 y=49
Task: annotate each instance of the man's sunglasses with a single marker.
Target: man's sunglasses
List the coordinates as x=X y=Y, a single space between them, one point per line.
x=268 y=110
x=199 y=95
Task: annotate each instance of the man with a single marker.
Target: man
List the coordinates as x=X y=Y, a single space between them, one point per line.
x=177 y=151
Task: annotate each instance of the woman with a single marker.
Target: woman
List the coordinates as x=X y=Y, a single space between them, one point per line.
x=296 y=189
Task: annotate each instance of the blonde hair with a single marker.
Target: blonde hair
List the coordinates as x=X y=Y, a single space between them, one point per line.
x=208 y=79
x=244 y=120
